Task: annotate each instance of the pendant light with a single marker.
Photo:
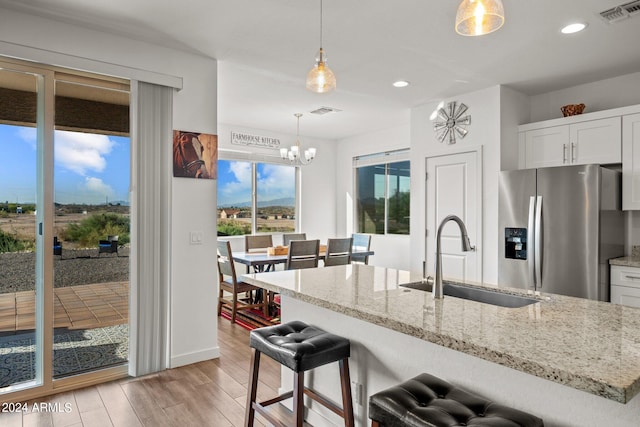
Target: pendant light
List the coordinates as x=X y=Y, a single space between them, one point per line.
x=293 y=153
x=479 y=17
x=321 y=79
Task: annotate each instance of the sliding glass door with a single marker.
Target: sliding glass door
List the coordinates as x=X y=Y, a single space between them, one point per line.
x=25 y=160
x=64 y=248
x=91 y=225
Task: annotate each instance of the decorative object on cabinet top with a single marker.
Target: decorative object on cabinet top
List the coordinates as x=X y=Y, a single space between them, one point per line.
x=572 y=109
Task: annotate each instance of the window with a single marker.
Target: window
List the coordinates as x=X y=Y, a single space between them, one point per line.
x=273 y=209
x=383 y=193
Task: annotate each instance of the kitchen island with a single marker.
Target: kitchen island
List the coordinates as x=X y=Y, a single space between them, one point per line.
x=568 y=360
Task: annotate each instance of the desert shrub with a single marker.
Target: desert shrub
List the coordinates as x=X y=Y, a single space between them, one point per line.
x=9 y=243
x=91 y=230
x=233 y=228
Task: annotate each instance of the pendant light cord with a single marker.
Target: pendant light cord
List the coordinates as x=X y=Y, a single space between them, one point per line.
x=320 y=24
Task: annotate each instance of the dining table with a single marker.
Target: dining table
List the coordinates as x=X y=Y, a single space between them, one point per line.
x=262 y=261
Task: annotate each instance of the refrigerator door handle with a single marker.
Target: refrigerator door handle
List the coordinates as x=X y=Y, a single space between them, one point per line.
x=538 y=242
x=532 y=243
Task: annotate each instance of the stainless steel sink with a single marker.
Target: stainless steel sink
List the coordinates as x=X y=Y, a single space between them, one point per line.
x=486 y=296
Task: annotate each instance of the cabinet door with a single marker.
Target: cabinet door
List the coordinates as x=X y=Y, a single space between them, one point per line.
x=625 y=296
x=596 y=141
x=625 y=285
x=547 y=147
x=631 y=162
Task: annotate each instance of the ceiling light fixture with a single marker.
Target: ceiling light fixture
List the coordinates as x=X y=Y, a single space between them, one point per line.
x=573 y=28
x=401 y=83
x=293 y=154
x=479 y=17
x=321 y=79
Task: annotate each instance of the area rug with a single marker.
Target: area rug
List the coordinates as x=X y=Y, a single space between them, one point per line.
x=250 y=319
x=74 y=352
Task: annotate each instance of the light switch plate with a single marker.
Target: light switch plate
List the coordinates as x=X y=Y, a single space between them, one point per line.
x=195 y=237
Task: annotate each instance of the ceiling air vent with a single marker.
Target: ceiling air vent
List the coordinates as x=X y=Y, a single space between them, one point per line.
x=621 y=12
x=324 y=110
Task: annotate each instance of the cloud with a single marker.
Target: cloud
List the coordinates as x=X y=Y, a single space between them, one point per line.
x=82 y=152
x=98 y=187
x=29 y=135
x=237 y=189
x=276 y=181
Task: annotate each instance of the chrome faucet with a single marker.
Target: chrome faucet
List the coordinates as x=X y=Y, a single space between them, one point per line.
x=466 y=246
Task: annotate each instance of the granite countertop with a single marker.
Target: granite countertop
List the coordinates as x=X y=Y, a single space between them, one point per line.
x=588 y=345
x=628 y=261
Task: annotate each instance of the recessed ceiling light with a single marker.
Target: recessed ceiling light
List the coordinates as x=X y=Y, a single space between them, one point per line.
x=401 y=83
x=573 y=28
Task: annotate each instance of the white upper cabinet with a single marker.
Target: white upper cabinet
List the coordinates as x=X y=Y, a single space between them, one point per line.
x=631 y=162
x=578 y=143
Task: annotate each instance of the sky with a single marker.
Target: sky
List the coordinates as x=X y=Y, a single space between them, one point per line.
x=88 y=168
x=234 y=182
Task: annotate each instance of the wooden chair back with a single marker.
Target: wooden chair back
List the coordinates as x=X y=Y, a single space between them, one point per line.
x=338 y=251
x=303 y=254
x=226 y=266
x=361 y=242
x=287 y=237
x=257 y=242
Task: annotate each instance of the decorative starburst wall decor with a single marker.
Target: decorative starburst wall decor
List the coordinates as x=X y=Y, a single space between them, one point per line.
x=450 y=122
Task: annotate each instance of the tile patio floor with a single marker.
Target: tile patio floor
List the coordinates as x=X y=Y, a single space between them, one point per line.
x=76 y=307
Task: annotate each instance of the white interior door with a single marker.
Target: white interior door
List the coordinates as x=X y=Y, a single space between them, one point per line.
x=454 y=185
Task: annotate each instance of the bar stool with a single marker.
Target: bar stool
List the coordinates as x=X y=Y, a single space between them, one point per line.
x=299 y=347
x=429 y=401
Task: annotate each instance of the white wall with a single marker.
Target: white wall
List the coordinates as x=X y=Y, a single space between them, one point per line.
x=597 y=96
x=390 y=251
x=485 y=131
x=193 y=297
x=318 y=180
x=514 y=111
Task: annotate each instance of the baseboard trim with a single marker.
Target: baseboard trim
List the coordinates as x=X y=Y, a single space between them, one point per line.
x=195 y=357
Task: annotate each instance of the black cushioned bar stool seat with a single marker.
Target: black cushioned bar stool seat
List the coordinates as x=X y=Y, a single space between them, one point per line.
x=429 y=401
x=300 y=347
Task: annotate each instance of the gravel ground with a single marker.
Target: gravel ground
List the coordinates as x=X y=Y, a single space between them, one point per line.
x=74 y=267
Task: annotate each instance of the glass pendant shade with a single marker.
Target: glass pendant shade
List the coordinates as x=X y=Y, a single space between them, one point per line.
x=479 y=17
x=321 y=79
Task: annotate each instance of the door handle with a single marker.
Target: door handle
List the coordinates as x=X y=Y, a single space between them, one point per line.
x=532 y=243
x=538 y=239
x=573 y=152
x=632 y=277
x=564 y=153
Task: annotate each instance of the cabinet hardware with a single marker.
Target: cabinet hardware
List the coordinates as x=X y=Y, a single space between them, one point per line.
x=573 y=152
x=564 y=153
x=632 y=277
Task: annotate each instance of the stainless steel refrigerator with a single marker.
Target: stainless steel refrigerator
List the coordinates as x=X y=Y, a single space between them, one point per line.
x=559 y=227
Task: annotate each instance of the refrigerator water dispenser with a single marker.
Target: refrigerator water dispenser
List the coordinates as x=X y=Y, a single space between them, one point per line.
x=515 y=243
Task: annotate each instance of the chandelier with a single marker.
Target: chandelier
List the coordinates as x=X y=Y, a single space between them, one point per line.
x=294 y=153
x=321 y=79
x=479 y=17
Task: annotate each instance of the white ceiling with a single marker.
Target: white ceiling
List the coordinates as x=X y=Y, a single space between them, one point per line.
x=266 y=47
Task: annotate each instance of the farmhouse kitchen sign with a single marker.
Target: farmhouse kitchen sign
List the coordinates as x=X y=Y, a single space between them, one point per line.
x=240 y=138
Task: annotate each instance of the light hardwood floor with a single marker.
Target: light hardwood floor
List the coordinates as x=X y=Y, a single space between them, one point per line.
x=210 y=393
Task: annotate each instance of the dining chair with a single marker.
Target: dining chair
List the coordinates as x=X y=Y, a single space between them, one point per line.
x=229 y=283
x=287 y=237
x=257 y=243
x=361 y=242
x=338 y=251
x=303 y=254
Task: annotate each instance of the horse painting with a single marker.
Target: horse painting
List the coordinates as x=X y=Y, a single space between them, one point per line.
x=188 y=156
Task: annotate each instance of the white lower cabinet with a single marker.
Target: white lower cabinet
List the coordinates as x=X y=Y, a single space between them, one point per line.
x=625 y=285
